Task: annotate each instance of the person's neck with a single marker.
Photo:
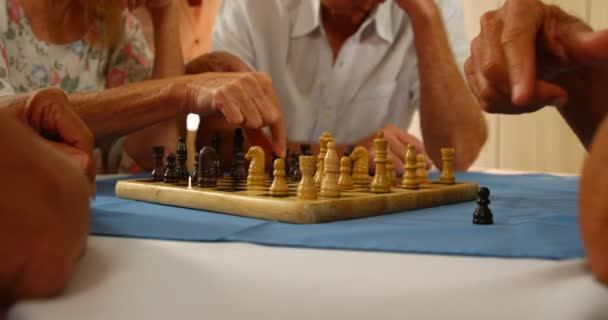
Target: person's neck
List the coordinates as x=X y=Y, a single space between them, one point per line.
x=339 y=27
x=55 y=21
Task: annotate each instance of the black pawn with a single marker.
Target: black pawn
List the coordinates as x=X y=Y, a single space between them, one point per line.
x=296 y=174
x=182 y=157
x=306 y=149
x=158 y=174
x=216 y=141
x=194 y=175
x=170 y=173
x=207 y=174
x=238 y=172
x=349 y=150
x=483 y=214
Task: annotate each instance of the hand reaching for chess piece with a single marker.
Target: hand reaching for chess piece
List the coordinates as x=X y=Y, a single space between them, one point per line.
x=398 y=140
x=243 y=99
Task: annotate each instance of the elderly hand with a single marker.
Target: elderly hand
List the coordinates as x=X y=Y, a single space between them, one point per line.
x=521 y=50
x=49 y=114
x=398 y=140
x=244 y=99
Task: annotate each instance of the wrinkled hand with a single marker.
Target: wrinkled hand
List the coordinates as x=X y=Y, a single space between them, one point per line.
x=521 y=50
x=247 y=100
x=48 y=113
x=398 y=140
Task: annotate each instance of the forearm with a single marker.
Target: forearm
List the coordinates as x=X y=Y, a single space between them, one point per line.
x=587 y=95
x=113 y=113
x=449 y=114
x=168 y=62
x=217 y=62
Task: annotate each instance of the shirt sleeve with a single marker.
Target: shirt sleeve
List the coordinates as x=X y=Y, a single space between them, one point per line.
x=231 y=31
x=132 y=59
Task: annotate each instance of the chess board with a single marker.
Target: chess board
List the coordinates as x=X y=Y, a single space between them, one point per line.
x=236 y=198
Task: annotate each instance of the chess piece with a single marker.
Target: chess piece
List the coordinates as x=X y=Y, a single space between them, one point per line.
x=216 y=142
x=345 y=181
x=306 y=150
x=329 y=185
x=296 y=174
x=410 y=180
x=421 y=173
x=207 y=173
x=349 y=150
x=170 y=174
x=194 y=175
x=323 y=141
x=360 y=157
x=447 y=172
x=483 y=214
x=158 y=174
x=307 y=188
x=381 y=182
x=256 y=174
x=279 y=186
x=238 y=171
x=182 y=157
x=390 y=170
x=274 y=158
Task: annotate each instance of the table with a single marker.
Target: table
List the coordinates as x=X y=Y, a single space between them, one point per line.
x=121 y=278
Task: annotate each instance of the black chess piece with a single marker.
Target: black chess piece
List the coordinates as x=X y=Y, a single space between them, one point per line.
x=296 y=174
x=182 y=157
x=238 y=172
x=306 y=150
x=216 y=142
x=483 y=214
x=349 y=150
x=158 y=174
x=194 y=175
x=170 y=173
x=207 y=173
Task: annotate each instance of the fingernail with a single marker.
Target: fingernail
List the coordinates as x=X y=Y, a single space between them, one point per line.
x=517 y=93
x=559 y=102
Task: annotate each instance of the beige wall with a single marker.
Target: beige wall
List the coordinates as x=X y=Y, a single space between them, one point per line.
x=541 y=141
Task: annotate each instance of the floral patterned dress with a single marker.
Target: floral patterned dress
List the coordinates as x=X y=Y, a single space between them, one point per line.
x=28 y=64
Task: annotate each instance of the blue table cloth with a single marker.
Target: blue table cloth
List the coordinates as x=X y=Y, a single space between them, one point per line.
x=535 y=216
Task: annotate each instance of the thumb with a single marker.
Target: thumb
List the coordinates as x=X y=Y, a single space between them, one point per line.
x=591 y=47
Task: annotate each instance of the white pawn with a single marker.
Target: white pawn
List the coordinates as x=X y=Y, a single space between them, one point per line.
x=307 y=189
x=346 y=180
x=329 y=185
x=279 y=186
x=410 y=180
x=421 y=173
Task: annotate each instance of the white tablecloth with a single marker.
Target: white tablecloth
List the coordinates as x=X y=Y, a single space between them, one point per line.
x=122 y=278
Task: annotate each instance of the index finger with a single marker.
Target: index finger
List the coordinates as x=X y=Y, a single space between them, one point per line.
x=279 y=138
x=519 y=44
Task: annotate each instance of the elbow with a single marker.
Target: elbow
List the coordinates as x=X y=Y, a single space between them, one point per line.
x=470 y=145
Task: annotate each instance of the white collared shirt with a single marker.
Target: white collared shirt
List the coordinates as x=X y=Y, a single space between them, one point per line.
x=373 y=82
